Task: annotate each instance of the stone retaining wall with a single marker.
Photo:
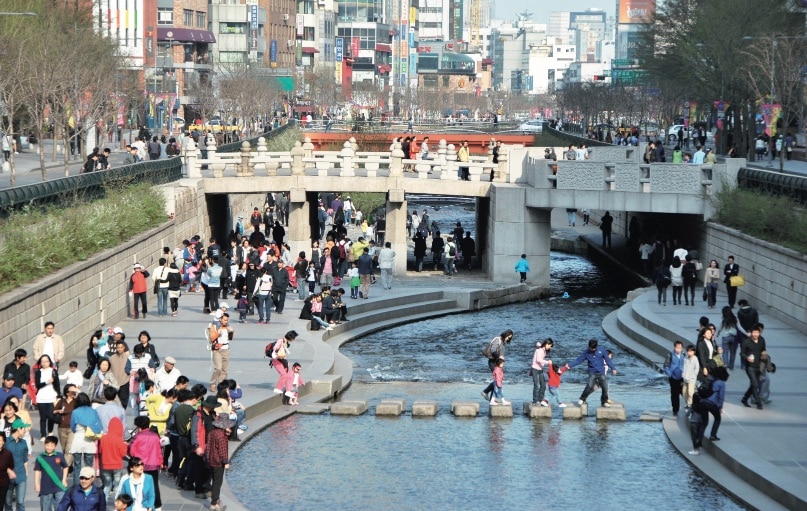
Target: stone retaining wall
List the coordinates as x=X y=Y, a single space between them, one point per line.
x=775 y=277
x=91 y=293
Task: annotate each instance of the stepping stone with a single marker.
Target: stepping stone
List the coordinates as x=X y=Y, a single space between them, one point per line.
x=393 y=407
x=574 y=412
x=424 y=408
x=465 y=408
x=537 y=411
x=315 y=409
x=349 y=408
x=651 y=416
x=501 y=411
x=616 y=412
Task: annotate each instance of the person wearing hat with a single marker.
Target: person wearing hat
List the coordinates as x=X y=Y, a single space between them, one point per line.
x=8 y=389
x=138 y=287
x=166 y=376
x=223 y=307
x=84 y=496
x=18 y=448
x=217 y=457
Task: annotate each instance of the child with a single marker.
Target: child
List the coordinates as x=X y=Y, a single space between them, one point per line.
x=123 y=502
x=242 y=307
x=112 y=450
x=498 y=381
x=691 y=369
x=766 y=367
x=51 y=484
x=238 y=408
x=554 y=382
x=296 y=383
x=355 y=281
x=73 y=375
x=311 y=277
x=523 y=267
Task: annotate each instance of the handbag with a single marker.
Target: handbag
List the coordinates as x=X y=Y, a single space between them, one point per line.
x=91 y=435
x=736 y=281
x=705 y=294
x=698 y=265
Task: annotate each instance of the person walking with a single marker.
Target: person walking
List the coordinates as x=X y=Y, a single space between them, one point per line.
x=386 y=261
x=606 y=224
x=138 y=289
x=496 y=349
x=450 y=255
x=365 y=266
x=220 y=339
x=713 y=404
x=217 y=458
x=539 y=360
x=674 y=369
x=523 y=267
x=751 y=351
x=596 y=360
x=731 y=270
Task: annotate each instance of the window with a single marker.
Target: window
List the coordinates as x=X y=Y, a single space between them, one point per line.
x=201 y=19
x=165 y=16
x=446 y=80
x=232 y=57
x=430 y=81
x=187 y=17
x=232 y=28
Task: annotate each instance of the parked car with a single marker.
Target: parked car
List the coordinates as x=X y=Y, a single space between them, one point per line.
x=533 y=126
x=672 y=133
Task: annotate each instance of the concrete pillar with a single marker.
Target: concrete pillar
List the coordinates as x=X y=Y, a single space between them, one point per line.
x=514 y=229
x=353 y=144
x=396 y=160
x=190 y=167
x=396 y=229
x=261 y=157
x=490 y=149
x=299 y=230
x=308 y=152
x=441 y=156
x=451 y=166
x=297 y=168
x=218 y=168
x=347 y=155
x=245 y=169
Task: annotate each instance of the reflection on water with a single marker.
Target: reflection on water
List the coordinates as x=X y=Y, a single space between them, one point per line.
x=447 y=463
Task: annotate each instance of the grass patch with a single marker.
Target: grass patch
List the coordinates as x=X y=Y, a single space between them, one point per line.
x=367 y=203
x=285 y=141
x=768 y=217
x=37 y=242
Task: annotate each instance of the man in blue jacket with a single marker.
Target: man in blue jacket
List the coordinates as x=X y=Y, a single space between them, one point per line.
x=597 y=359
x=674 y=369
x=84 y=496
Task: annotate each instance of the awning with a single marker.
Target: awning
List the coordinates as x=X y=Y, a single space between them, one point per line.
x=310 y=49
x=383 y=48
x=185 y=35
x=384 y=68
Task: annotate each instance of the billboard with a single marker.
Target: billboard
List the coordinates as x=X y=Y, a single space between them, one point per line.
x=636 y=11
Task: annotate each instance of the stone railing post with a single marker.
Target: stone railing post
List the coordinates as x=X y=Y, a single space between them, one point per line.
x=245 y=169
x=490 y=149
x=308 y=152
x=441 y=158
x=218 y=168
x=260 y=157
x=451 y=167
x=500 y=174
x=396 y=160
x=353 y=144
x=190 y=168
x=347 y=155
x=297 y=167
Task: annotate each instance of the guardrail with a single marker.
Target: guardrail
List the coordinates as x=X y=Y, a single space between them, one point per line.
x=92 y=184
x=773 y=182
x=234 y=147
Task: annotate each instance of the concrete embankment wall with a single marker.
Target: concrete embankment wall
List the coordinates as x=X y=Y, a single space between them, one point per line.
x=775 y=277
x=85 y=295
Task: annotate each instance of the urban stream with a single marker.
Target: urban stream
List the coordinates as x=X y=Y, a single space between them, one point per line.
x=442 y=463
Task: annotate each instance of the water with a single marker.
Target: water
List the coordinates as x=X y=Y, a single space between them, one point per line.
x=365 y=462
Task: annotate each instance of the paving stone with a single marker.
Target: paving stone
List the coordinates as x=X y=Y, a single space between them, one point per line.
x=537 y=411
x=390 y=407
x=465 y=408
x=573 y=412
x=501 y=411
x=616 y=412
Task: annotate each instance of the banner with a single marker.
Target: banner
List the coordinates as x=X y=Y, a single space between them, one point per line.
x=636 y=11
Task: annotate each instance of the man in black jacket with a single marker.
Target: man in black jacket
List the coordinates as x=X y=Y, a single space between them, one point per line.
x=280 y=284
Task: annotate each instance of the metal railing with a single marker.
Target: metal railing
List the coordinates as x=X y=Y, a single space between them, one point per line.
x=774 y=183
x=92 y=184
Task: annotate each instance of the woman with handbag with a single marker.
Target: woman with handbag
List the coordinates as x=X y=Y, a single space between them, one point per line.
x=711 y=280
x=87 y=429
x=280 y=353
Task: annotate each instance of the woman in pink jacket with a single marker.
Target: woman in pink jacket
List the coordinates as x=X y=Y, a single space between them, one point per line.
x=281 y=365
x=145 y=444
x=539 y=360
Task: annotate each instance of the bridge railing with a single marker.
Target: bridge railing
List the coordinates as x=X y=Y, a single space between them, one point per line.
x=622 y=177
x=303 y=160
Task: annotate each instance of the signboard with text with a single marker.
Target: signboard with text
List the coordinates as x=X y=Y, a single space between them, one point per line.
x=340 y=48
x=636 y=11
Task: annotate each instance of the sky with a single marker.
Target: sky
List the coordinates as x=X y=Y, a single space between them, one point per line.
x=507 y=9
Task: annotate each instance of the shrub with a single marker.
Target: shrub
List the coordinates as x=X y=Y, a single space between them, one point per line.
x=39 y=242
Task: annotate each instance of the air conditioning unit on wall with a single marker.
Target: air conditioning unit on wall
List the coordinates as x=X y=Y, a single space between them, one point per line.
x=285 y=17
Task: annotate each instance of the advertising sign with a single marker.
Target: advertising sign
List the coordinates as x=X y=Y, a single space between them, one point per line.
x=300 y=24
x=354 y=47
x=340 y=48
x=273 y=51
x=636 y=11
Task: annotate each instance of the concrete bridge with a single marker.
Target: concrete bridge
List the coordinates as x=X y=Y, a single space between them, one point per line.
x=514 y=197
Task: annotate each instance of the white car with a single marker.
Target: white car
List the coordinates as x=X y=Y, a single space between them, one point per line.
x=672 y=133
x=533 y=126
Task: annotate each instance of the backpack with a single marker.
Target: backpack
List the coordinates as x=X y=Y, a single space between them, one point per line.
x=452 y=250
x=267 y=351
x=342 y=253
x=691 y=272
x=706 y=389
